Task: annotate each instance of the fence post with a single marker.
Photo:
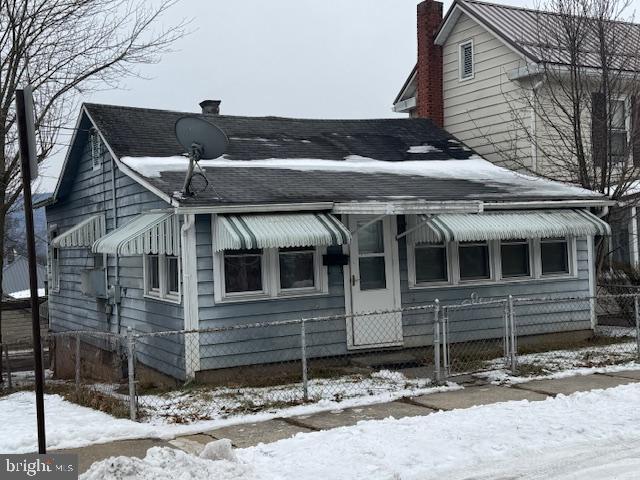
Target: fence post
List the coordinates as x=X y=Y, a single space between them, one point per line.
x=512 y=335
x=131 y=373
x=444 y=322
x=436 y=340
x=8 y=369
x=303 y=353
x=636 y=304
x=77 y=363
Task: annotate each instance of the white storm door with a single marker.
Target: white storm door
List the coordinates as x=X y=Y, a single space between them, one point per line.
x=375 y=282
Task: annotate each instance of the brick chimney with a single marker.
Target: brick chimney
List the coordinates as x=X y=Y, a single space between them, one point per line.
x=429 y=75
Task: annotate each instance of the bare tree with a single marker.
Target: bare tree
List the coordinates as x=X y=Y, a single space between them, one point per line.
x=578 y=106
x=65 y=48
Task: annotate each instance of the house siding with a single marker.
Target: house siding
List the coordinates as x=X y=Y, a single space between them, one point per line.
x=329 y=337
x=89 y=194
x=478 y=111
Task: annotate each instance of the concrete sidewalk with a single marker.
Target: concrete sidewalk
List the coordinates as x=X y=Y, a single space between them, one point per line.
x=247 y=435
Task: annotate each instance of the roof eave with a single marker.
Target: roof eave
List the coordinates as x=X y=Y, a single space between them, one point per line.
x=410 y=79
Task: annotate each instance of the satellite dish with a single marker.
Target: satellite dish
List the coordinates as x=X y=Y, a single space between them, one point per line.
x=194 y=132
x=202 y=141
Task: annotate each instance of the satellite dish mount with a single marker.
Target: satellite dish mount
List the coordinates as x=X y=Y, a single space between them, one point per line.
x=202 y=141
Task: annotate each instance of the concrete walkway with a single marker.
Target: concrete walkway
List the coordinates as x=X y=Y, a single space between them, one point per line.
x=247 y=435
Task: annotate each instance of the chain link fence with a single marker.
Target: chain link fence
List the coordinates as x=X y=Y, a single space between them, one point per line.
x=184 y=376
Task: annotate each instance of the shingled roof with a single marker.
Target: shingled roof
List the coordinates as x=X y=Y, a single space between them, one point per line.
x=285 y=160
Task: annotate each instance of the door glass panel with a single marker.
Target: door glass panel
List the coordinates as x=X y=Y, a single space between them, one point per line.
x=372 y=273
x=371 y=238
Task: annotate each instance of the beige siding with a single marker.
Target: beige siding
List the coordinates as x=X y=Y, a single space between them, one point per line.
x=481 y=111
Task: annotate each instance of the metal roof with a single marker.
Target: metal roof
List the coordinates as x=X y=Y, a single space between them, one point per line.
x=236 y=232
x=83 y=234
x=539 y=35
x=15 y=276
x=509 y=225
x=148 y=233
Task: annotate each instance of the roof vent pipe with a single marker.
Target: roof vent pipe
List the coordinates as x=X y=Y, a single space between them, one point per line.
x=210 y=107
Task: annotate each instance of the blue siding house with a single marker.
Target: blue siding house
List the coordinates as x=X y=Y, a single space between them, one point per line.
x=299 y=218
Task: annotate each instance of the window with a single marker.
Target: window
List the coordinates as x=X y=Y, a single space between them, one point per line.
x=466 y=60
x=430 y=263
x=474 y=261
x=162 y=277
x=55 y=268
x=515 y=259
x=243 y=271
x=554 y=255
x=96 y=149
x=268 y=273
x=297 y=268
x=618 y=133
x=371 y=262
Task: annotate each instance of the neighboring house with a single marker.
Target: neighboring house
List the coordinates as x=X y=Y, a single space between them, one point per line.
x=300 y=218
x=15 y=277
x=475 y=64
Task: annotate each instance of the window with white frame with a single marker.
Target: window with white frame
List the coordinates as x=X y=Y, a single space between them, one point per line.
x=269 y=273
x=466 y=60
x=162 y=277
x=453 y=263
x=515 y=258
x=243 y=270
x=554 y=256
x=474 y=261
x=96 y=149
x=430 y=263
x=297 y=268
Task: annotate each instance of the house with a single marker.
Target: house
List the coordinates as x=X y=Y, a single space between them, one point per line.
x=479 y=75
x=299 y=218
x=15 y=277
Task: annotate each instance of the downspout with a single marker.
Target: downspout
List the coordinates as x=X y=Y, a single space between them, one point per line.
x=534 y=126
x=116 y=259
x=190 y=295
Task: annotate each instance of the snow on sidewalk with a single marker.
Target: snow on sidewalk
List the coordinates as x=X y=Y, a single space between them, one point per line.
x=441 y=445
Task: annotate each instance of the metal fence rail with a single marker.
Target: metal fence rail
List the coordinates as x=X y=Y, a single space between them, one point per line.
x=182 y=376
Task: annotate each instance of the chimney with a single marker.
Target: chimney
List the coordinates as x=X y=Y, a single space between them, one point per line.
x=210 y=107
x=430 y=103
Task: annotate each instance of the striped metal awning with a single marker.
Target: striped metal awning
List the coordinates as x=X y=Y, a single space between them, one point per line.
x=82 y=234
x=509 y=225
x=236 y=232
x=147 y=233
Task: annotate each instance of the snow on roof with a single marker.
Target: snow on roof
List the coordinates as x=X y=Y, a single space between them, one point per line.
x=474 y=168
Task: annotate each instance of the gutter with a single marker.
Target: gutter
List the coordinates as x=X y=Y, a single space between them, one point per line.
x=605 y=203
x=256 y=208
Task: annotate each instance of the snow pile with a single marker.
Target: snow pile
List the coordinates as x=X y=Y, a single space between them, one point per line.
x=492 y=441
x=26 y=293
x=68 y=425
x=474 y=169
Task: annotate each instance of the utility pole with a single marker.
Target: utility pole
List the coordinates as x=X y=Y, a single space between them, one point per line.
x=29 y=166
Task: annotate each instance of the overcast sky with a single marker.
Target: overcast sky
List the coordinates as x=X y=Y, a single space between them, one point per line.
x=297 y=58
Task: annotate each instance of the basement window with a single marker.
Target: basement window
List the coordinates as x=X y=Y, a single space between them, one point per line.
x=466 y=60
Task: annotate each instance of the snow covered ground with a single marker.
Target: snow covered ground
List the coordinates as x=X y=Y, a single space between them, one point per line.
x=70 y=425
x=205 y=403
x=586 y=436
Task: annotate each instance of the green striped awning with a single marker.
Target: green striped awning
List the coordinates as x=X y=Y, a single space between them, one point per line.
x=508 y=225
x=148 y=233
x=82 y=234
x=237 y=232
